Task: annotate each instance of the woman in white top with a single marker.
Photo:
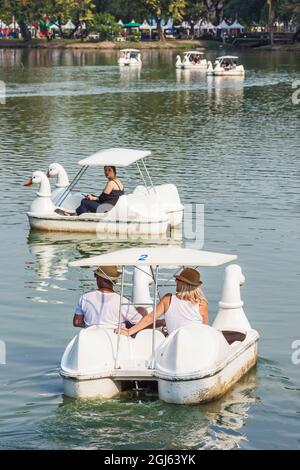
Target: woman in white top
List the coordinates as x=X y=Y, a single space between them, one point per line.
x=188 y=305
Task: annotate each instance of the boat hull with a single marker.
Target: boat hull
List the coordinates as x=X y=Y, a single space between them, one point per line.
x=209 y=388
x=102 y=388
x=92 y=225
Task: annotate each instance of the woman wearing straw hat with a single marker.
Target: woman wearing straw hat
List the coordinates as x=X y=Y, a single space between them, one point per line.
x=188 y=305
x=101 y=306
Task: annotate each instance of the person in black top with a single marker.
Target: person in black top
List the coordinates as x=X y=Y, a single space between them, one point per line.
x=107 y=199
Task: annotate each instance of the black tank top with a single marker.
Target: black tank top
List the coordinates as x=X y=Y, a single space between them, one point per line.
x=111 y=198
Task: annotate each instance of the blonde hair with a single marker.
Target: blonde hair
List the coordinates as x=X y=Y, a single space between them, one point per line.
x=189 y=293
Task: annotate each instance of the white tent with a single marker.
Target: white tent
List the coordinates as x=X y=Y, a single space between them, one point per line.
x=14 y=25
x=54 y=27
x=69 y=25
x=120 y=22
x=2 y=24
x=169 y=24
x=205 y=26
x=237 y=25
x=223 y=25
x=146 y=26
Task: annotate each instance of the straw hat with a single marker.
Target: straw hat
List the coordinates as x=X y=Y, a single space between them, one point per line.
x=111 y=273
x=189 y=276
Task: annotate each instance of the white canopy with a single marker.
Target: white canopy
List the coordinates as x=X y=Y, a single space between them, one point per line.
x=145 y=26
x=120 y=22
x=236 y=25
x=115 y=157
x=159 y=256
x=205 y=25
x=227 y=57
x=2 y=24
x=223 y=25
x=69 y=25
x=129 y=50
x=14 y=25
x=194 y=52
x=54 y=26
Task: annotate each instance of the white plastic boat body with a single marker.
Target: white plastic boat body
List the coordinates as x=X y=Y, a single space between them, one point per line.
x=226 y=66
x=194 y=364
x=192 y=60
x=148 y=210
x=130 y=58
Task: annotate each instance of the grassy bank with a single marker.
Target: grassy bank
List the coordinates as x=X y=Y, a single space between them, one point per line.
x=104 y=45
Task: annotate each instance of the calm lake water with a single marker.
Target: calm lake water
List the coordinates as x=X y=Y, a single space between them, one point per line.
x=231 y=145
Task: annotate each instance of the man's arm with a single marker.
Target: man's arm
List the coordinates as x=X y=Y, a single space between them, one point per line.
x=78 y=321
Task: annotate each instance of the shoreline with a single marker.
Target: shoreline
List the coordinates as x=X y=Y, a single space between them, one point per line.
x=143 y=45
x=102 y=45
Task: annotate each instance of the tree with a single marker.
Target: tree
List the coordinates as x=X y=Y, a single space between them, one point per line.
x=195 y=10
x=105 y=24
x=163 y=10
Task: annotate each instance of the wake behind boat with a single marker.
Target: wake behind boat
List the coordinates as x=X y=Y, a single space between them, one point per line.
x=148 y=210
x=196 y=363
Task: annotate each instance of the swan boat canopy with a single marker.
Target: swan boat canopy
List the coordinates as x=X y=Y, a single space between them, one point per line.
x=194 y=364
x=148 y=210
x=226 y=66
x=192 y=60
x=129 y=57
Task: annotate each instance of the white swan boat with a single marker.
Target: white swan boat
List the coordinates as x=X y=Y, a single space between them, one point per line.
x=148 y=210
x=130 y=57
x=226 y=66
x=195 y=364
x=192 y=60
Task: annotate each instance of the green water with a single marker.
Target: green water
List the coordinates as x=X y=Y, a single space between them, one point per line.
x=231 y=145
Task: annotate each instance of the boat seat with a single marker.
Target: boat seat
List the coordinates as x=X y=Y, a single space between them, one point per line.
x=232 y=336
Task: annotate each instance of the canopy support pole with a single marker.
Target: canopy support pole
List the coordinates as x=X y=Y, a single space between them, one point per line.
x=64 y=195
x=152 y=365
x=142 y=176
x=119 y=320
x=149 y=176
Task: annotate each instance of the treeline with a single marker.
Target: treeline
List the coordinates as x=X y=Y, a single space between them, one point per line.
x=107 y=12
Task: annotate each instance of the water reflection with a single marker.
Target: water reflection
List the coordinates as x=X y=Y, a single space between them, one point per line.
x=126 y=421
x=53 y=251
x=128 y=74
x=223 y=90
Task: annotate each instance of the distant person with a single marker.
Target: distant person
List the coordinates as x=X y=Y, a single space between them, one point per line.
x=101 y=306
x=187 y=306
x=109 y=197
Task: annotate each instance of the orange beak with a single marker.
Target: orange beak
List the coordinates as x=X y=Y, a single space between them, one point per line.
x=28 y=183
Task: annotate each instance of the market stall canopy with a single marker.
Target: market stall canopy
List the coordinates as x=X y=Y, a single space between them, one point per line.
x=115 y=157
x=205 y=25
x=14 y=25
x=237 y=25
x=69 y=25
x=2 y=24
x=120 y=22
x=132 y=24
x=146 y=26
x=223 y=25
x=159 y=256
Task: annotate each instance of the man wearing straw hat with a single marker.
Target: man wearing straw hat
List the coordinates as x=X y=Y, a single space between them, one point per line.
x=101 y=306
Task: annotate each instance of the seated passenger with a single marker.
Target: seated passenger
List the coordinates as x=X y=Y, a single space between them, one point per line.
x=107 y=199
x=101 y=306
x=189 y=305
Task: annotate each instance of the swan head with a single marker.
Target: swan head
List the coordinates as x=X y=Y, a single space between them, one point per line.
x=37 y=178
x=53 y=170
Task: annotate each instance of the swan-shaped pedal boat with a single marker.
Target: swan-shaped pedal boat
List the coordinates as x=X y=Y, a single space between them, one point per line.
x=192 y=60
x=194 y=364
x=226 y=66
x=62 y=183
x=148 y=210
x=130 y=57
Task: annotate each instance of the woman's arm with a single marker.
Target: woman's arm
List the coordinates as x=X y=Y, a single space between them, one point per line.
x=203 y=310
x=148 y=319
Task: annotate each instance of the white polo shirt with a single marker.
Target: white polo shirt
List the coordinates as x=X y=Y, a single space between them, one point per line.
x=102 y=308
